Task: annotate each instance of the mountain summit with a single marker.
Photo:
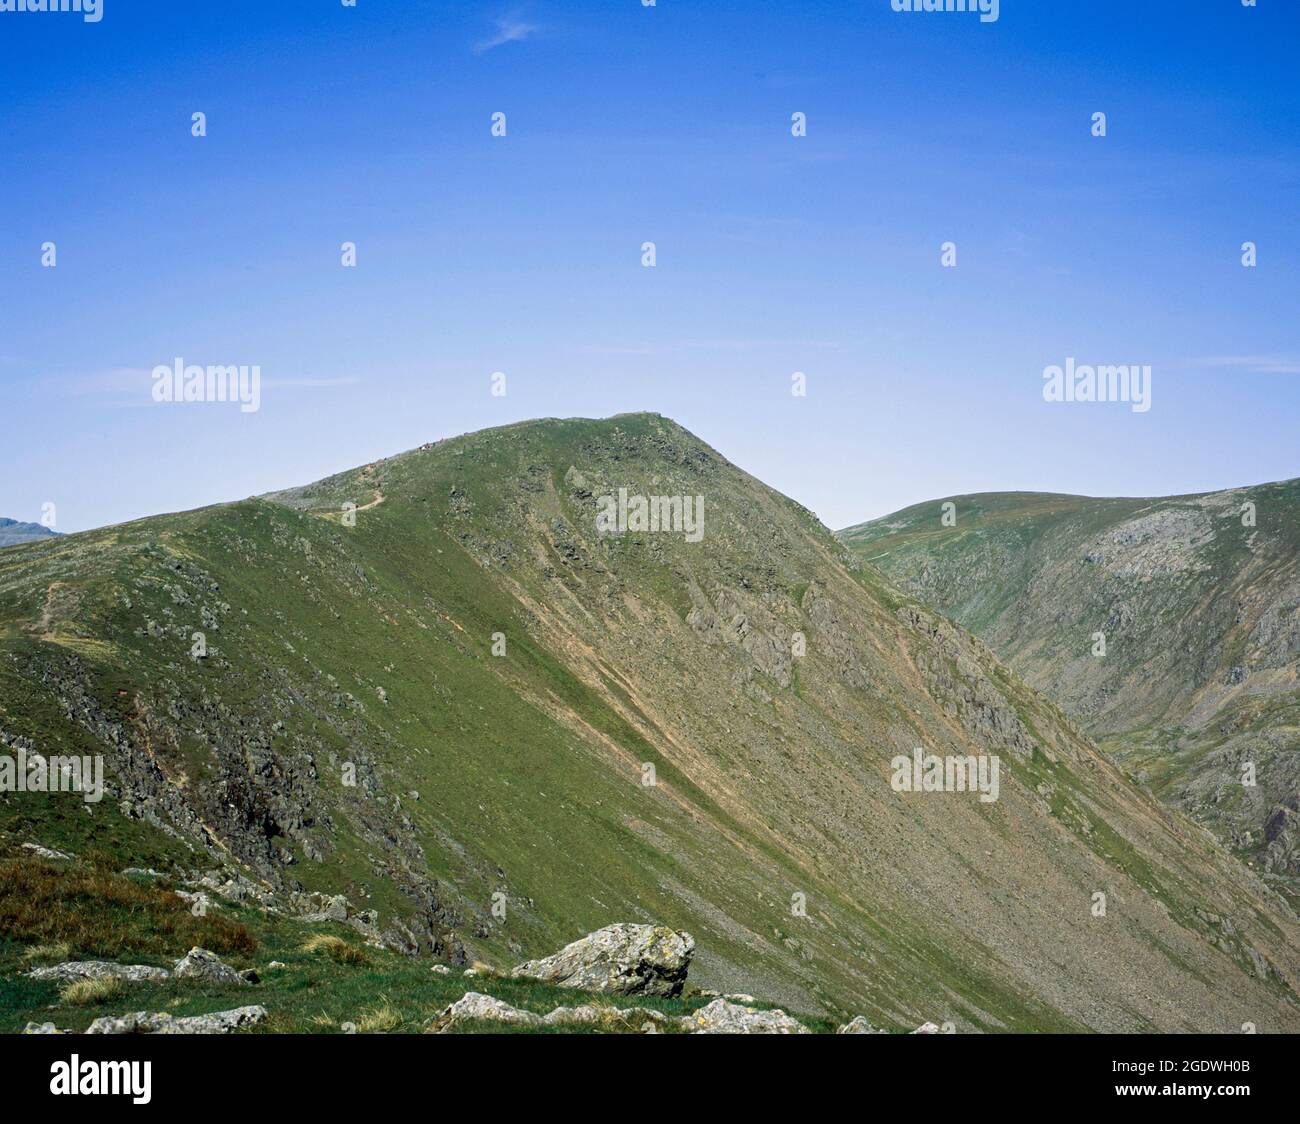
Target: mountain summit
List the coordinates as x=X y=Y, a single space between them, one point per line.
x=440 y=685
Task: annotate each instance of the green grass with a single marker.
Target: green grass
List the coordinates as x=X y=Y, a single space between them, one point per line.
x=314 y=992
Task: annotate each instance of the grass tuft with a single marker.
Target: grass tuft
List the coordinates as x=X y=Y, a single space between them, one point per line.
x=383 y=1018
x=336 y=948
x=53 y=952
x=86 y=993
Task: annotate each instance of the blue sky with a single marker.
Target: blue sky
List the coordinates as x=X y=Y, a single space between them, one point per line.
x=669 y=124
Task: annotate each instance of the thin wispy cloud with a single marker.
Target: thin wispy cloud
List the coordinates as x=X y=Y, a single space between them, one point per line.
x=510 y=29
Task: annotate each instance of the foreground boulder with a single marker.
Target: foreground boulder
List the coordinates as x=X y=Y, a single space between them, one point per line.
x=619 y=959
x=723 y=1017
x=200 y=964
x=99 y=970
x=143 y=1022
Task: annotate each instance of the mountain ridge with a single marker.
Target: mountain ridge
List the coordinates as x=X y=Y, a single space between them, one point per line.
x=1197 y=598
x=351 y=624
x=13 y=532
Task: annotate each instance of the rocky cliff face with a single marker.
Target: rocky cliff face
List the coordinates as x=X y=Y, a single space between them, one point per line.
x=1170 y=629
x=440 y=687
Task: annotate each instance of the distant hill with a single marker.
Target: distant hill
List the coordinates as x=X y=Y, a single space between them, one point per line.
x=1198 y=598
x=11 y=532
x=433 y=685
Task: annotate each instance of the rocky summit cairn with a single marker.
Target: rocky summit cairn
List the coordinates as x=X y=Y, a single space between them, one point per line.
x=619 y=959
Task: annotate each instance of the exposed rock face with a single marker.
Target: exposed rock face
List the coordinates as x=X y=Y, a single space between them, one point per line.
x=248 y=759
x=1169 y=628
x=722 y=1017
x=42 y=1028
x=98 y=970
x=142 y=1022
x=619 y=959
x=200 y=964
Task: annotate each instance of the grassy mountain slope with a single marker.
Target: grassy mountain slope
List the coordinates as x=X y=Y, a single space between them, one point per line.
x=364 y=652
x=1200 y=611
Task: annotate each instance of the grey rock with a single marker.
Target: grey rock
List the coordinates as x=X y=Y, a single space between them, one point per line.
x=44 y=852
x=621 y=959
x=722 y=1017
x=42 y=1028
x=859 y=1025
x=200 y=903
x=143 y=1022
x=99 y=970
x=474 y=1005
x=200 y=964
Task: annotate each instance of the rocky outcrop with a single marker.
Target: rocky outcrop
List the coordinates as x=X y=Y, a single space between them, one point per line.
x=859 y=1025
x=44 y=852
x=142 y=1022
x=722 y=1017
x=200 y=964
x=473 y=1006
x=620 y=960
x=99 y=970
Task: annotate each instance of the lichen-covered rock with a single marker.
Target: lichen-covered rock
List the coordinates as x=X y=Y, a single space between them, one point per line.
x=200 y=964
x=722 y=1017
x=619 y=959
x=99 y=970
x=609 y=1018
x=44 y=852
x=859 y=1025
x=143 y=1022
x=475 y=1005
x=927 y=1028
x=41 y=1028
